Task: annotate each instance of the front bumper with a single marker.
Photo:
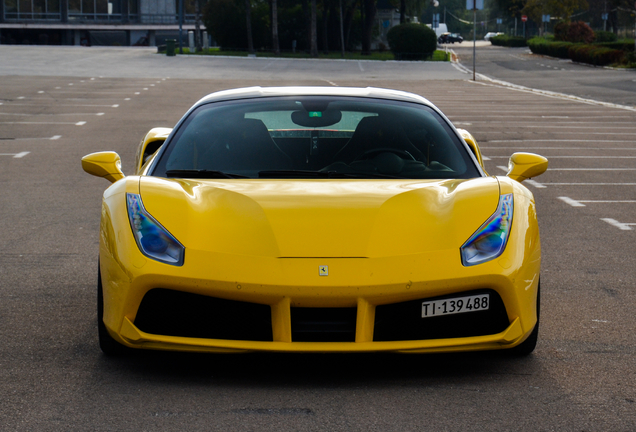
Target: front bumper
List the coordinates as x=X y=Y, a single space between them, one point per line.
x=285 y=285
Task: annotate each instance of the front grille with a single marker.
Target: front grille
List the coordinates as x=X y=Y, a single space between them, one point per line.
x=175 y=313
x=323 y=324
x=403 y=321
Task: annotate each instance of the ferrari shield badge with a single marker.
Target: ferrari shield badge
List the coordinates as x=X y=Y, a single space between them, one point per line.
x=323 y=270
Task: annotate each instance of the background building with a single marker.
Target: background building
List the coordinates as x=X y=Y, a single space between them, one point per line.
x=92 y=22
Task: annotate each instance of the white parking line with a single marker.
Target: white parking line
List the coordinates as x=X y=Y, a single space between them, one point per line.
x=620 y=225
x=580 y=203
x=540 y=123
x=44 y=115
x=570 y=133
x=577 y=126
x=69 y=106
x=556 y=140
x=91 y=93
x=537 y=116
x=535 y=184
x=561 y=148
x=53 y=138
x=591 y=169
x=501 y=167
x=589 y=184
x=545 y=185
x=16 y=155
x=48 y=123
x=576 y=157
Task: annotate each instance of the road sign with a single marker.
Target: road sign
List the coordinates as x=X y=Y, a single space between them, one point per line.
x=435 y=21
x=524 y=18
x=475 y=4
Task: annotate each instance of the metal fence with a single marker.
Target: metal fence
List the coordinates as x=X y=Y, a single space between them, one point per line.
x=102 y=18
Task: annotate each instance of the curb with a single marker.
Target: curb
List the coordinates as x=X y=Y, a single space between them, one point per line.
x=547 y=93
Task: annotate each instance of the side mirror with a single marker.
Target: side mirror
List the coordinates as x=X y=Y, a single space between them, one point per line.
x=523 y=166
x=472 y=143
x=150 y=144
x=103 y=164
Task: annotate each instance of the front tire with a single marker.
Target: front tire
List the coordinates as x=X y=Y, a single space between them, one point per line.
x=108 y=345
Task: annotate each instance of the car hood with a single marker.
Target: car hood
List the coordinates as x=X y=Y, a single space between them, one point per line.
x=320 y=218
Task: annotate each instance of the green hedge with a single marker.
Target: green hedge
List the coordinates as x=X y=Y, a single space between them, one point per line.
x=623 y=45
x=552 y=49
x=412 y=41
x=604 y=36
x=508 y=41
x=596 y=54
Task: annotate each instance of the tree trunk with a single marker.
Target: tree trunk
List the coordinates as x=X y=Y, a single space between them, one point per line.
x=313 y=44
x=275 y=43
x=348 y=20
x=342 y=42
x=248 y=17
x=367 y=25
x=197 y=25
x=402 y=11
x=325 y=27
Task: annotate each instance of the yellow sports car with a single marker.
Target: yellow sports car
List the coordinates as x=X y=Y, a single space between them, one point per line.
x=312 y=219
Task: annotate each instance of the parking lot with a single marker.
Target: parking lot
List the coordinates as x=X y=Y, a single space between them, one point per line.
x=53 y=377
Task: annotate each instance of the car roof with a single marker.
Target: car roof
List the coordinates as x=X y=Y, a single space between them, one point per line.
x=361 y=92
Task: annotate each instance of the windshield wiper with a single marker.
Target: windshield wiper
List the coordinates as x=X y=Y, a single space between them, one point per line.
x=320 y=174
x=292 y=174
x=201 y=173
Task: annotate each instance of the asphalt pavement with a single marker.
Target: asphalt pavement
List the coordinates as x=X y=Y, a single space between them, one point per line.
x=58 y=104
x=519 y=66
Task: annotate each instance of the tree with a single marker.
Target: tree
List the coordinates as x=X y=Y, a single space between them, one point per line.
x=313 y=50
x=197 y=25
x=226 y=21
x=562 y=10
x=512 y=7
x=276 y=45
x=368 y=21
x=248 y=20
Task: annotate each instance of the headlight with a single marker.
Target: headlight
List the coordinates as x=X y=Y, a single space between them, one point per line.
x=490 y=239
x=153 y=240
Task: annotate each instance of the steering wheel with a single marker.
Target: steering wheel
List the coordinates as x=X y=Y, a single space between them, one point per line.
x=401 y=153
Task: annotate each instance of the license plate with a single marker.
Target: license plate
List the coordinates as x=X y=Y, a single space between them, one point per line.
x=456 y=305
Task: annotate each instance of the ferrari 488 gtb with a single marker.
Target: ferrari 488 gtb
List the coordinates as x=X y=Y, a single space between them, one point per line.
x=309 y=219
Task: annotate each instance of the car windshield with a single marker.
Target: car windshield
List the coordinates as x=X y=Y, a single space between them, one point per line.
x=315 y=137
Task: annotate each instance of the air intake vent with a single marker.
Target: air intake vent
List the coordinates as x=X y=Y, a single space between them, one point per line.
x=175 y=313
x=323 y=324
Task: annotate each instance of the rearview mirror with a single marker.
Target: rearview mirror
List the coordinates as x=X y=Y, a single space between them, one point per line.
x=523 y=166
x=103 y=164
x=149 y=145
x=472 y=143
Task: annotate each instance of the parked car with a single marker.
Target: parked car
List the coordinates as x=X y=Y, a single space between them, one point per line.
x=316 y=219
x=450 y=38
x=490 y=35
